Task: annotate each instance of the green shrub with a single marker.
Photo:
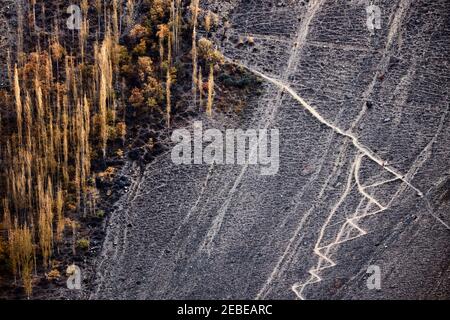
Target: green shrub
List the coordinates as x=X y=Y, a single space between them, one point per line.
x=83 y=244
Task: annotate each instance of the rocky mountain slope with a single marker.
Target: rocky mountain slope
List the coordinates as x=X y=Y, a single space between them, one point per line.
x=364 y=172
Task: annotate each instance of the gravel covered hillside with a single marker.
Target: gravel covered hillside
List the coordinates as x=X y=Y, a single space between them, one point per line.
x=364 y=167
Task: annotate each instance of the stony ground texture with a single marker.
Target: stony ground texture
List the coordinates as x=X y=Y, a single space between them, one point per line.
x=364 y=167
